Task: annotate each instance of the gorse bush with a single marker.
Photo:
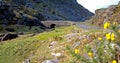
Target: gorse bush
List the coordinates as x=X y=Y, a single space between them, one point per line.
x=102 y=50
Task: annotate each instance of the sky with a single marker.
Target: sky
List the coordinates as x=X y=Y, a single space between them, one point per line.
x=92 y=5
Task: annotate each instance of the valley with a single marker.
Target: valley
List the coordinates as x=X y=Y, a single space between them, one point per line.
x=58 y=31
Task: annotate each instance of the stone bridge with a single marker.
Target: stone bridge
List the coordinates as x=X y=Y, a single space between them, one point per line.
x=53 y=24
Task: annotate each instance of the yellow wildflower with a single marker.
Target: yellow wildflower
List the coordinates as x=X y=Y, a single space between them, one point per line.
x=112 y=36
x=106 y=25
x=90 y=54
x=108 y=37
x=99 y=38
x=114 y=61
x=76 y=51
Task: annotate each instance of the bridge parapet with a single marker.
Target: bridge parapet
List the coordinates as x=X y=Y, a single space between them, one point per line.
x=57 y=23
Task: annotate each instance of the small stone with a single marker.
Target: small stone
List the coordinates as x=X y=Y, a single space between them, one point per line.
x=51 y=61
x=75 y=45
x=52 y=44
x=56 y=54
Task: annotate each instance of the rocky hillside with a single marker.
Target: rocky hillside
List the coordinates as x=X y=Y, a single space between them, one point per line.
x=112 y=14
x=63 y=10
x=53 y=9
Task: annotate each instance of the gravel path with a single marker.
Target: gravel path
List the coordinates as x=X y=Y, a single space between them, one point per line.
x=84 y=26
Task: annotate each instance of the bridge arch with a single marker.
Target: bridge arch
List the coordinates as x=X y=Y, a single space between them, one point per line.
x=52 y=25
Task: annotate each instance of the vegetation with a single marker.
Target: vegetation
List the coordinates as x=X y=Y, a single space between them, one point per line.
x=20 y=28
x=68 y=44
x=17 y=50
x=101 y=50
x=75 y=44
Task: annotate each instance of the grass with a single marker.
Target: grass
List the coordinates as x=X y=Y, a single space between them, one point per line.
x=45 y=53
x=55 y=33
x=37 y=47
x=17 y=50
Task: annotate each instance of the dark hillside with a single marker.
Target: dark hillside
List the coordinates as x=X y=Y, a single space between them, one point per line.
x=52 y=9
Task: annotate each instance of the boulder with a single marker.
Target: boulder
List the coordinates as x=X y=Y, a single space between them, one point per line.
x=9 y=36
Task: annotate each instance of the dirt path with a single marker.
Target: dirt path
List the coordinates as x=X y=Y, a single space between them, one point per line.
x=84 y=26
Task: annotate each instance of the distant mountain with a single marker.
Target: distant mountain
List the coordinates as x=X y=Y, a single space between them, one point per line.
x=54 y=9
x=62 y=10
x=111 y=14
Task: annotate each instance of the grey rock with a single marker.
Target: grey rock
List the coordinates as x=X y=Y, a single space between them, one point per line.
x=75 y=45
x=52 y=44
x=51 y=61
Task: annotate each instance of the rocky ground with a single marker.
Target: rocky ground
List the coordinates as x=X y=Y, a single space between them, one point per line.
x=57 y=46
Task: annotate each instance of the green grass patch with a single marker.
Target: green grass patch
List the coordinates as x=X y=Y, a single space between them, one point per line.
x=17 y=50
x=55 y=33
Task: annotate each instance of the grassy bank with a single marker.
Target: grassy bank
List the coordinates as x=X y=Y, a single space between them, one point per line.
x=17 y=50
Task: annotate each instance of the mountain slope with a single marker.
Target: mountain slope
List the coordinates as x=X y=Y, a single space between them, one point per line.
x=57 y=9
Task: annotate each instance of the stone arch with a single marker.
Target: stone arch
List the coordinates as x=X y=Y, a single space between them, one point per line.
x=52 y=25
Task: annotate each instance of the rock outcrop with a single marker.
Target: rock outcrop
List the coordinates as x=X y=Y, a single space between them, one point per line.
x=111 y=14
x=11 y=14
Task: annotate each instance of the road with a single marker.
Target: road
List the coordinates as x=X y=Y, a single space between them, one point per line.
x=86 y=27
